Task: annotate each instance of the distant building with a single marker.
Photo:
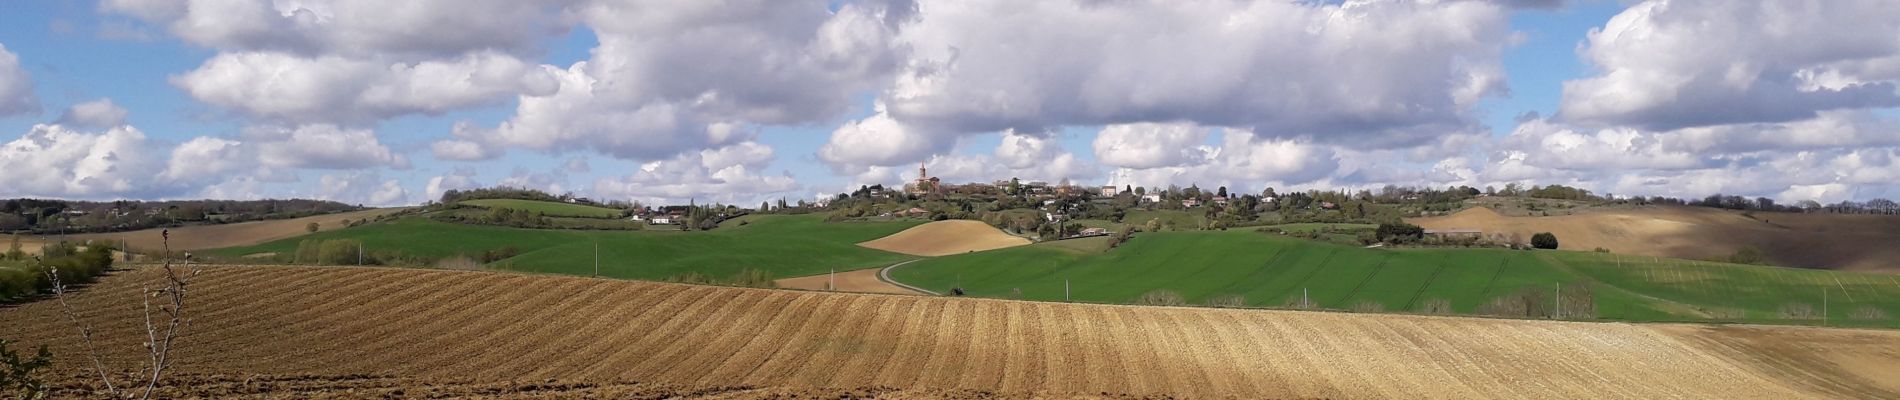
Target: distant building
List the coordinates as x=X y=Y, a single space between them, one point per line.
x=1328 y=205
x=1455 y=233
x=1056 y=217
x=1153 y=198
x=1191 y=203
x=925 y=184
x=1220 y=201
x=1110 y=191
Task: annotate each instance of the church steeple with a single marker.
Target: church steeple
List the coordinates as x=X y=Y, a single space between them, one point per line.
x=922 y=173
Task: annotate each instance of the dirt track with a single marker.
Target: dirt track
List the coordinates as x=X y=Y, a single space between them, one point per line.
x=860 y=281
x=201 y=237
x=944 y=238
x=1846 y=242
x=456 y=330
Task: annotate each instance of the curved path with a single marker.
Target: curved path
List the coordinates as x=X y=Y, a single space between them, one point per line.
x=884 y=274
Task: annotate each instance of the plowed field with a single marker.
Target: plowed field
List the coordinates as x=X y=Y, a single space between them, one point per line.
x=1831 y=241
x=277 y=329
x=201 y=237
x=944 y=238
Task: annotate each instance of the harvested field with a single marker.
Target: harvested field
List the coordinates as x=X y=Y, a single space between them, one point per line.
x=496 y=335
x=861 y=281
x=944 y=238
x=200 y=237
x=1844 y=242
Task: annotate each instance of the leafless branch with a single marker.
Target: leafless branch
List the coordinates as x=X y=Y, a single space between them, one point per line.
x=161 y=328
x=85 y=331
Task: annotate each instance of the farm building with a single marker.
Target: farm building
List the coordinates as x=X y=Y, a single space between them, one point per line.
x=1110 y=191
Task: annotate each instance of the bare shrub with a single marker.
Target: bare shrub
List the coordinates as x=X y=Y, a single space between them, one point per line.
x=690 y=277
x=1524 y=303
x=1577 y=301
x=1368 y=306
x=1799 y=311
x=1299 y=303
x=752 y=277
x=1161 y=298
x=1228 y=301
x=1868 y=313
x=1435 y=306
x=458 y=262
x=1726 y=313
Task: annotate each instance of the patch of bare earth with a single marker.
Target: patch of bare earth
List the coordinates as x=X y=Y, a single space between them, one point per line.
x=861 y=281
x=343 y=332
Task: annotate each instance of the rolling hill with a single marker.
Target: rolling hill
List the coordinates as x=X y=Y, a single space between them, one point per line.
x=785 y=245
x=1830 y=241
x=318 y=331
x=548 y=208
x=944 y=238
x=1275 y=271
x=201 y=237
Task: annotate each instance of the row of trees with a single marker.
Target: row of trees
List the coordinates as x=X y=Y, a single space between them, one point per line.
x=62 y=216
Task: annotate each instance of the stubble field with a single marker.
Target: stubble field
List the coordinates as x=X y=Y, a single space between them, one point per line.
x=498 y=335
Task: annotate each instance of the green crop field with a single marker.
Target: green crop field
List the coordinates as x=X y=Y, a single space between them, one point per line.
x=785 y=245
x=548 y=208
x=1275 y=271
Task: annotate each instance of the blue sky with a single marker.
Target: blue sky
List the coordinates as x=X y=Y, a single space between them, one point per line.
x=795 y=99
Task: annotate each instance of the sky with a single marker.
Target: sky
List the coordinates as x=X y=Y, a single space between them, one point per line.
x=742 y=101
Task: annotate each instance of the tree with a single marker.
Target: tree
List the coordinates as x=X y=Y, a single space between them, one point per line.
x=1748 y=255
x=312 y=227
x=1544 y=240
x=1399 y=232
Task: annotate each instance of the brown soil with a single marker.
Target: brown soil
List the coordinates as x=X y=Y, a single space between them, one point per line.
x=944 y=238
x=336 y=332
x=861 y=281
x=1845 y=242
x=200 y=237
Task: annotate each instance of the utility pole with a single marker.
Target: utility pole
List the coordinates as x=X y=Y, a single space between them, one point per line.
x=1303 y=302
x=596 y=259
x=1560 y=300
x=831 y=280
x=359 y=254
x=1065 y=290
x=1824 y=306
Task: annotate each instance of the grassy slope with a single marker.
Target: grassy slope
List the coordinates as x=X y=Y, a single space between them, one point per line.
x=551 y=209
x=1272 y=271
x=785 y=245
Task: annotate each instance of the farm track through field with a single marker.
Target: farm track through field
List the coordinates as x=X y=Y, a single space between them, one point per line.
x=351 y=332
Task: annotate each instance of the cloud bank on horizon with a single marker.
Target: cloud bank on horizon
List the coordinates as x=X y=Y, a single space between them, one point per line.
x=387 y=103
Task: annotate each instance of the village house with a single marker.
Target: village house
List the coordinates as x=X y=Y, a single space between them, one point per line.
x=1110 y=191
x=1191 y=203
x=1153 y=198
x=1220 y=201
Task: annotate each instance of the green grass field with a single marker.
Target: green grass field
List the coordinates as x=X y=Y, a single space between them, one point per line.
x=1274 y=271
x=785 y=245
x=547 y=208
